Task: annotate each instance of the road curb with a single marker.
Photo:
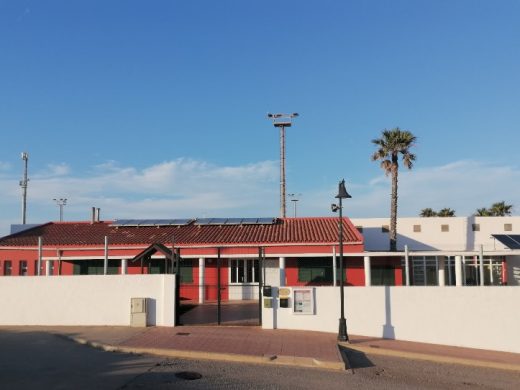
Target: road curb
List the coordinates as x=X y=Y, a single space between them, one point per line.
x=432 y=358
x=281 y=360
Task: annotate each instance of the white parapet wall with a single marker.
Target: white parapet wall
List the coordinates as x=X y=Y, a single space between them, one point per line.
x=85 y=300
x=474 y=317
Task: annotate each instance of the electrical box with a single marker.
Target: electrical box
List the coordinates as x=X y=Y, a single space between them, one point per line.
x=268 y=291
x=138 y=311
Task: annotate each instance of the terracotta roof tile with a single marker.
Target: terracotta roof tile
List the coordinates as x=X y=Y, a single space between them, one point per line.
x=285 y=231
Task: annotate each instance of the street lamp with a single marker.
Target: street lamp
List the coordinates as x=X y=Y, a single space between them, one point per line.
x=61 y=202
x=342 y=194
x=282 y=121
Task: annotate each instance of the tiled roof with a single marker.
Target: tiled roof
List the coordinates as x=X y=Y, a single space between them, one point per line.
x=284 y=231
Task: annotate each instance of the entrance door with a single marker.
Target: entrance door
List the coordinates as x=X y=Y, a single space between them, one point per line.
x=221 y=292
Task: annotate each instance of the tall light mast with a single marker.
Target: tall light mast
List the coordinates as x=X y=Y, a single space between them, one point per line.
x=282 y=121
x=23 y=184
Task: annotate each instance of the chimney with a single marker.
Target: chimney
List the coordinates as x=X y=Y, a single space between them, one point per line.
x=98 y=214
x=93 y=215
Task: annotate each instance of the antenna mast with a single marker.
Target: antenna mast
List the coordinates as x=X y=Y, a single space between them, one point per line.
x=23 y=184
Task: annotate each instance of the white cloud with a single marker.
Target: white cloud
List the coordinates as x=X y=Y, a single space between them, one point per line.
x=4 y=166
x=179 y=188
x=191 y=188
x=462 y=185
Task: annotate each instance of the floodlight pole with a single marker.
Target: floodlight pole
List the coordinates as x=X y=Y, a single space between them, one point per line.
x=23 y=184
x=282 y=121
x=61 y=202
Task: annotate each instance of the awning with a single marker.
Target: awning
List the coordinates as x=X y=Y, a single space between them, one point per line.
x=512 y=241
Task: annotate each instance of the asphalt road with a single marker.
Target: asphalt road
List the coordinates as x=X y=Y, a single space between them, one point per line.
x=30 y=360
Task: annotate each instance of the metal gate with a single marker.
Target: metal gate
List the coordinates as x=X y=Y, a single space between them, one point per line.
x=228 y=292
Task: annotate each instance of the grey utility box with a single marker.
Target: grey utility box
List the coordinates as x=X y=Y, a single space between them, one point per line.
x=138 y=312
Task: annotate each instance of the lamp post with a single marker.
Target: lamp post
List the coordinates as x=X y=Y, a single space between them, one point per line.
x=282 y=121
x=61 y=202
x=342 y=194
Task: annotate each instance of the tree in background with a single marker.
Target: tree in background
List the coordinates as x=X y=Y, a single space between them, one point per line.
x=393 y=143
x=498 y=209
x=428 y=212
x=446 y=212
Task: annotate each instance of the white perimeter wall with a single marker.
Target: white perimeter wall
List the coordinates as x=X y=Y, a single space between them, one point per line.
x=85 y=300
x=475 y=317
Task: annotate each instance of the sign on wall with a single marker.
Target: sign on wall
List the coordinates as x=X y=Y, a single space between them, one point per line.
x=303 y=299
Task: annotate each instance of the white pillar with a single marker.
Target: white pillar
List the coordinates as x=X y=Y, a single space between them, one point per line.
x=407 y=265
x=282 y=271
x=458 y=269
x=334 y=266
x=40 y=254
x=202 y=270
x=47 y=267
x=105 y=263
x=481 y=264
x=441 y=262
x=124 y=266
x=368 y=275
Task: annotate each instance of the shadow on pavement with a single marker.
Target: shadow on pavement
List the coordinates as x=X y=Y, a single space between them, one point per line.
x=356 y=359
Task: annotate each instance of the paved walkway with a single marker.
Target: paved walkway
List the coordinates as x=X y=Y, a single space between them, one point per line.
x=255 y=345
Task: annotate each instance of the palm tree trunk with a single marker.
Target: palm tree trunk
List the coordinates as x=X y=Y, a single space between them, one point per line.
x=393 y=207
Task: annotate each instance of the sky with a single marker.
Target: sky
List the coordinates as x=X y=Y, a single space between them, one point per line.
x=157 y=109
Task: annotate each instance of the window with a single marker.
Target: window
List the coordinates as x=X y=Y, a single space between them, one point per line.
x=385 y=229
x=382 y=275
x=8 y=267
x=244 y=271
x=359 y=229
x=94 y=267
x=445 y=228
x=316 y=270
x=508 y=227
x=186 y=271
x=475 y=227
x=23 y=268
x=416 y=228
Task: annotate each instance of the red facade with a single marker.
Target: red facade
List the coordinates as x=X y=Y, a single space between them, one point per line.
x=70 y=248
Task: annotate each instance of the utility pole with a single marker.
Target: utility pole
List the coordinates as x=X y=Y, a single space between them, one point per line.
x=23 y=184
x=282 y=121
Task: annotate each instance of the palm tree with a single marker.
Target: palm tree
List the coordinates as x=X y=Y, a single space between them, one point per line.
x=391 y=144
x=501 y=209
x=483 y=212
x=446 y=212
x=428 y=212
x=498 y=209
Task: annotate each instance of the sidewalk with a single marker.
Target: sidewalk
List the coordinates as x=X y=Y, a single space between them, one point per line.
x=256 y=345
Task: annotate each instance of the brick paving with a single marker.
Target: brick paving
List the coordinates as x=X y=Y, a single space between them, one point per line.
x=437 y=350
x=240 y=340
x=257 y=342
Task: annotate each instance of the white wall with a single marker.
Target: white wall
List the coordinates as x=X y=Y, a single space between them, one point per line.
x=85 y=300
x=474 y=317
x=459 y=238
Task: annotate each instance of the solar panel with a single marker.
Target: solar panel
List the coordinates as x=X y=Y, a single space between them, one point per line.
x=152 y=222
x=511 y=241
x=266 y=221
x=234 y=221
x=249 y=221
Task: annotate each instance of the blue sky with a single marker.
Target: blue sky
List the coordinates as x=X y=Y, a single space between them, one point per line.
x=158 y=109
